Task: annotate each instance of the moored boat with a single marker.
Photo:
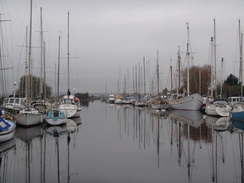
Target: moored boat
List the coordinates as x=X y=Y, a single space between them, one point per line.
x=7 y=129
x=70 y=105
x=55 y=117
x=192 y=102
x=218 y=107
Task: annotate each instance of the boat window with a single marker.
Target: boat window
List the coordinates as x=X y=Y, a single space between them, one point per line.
x=11 y=101
x=17 y=101
x=55 y=113
x=67 y=101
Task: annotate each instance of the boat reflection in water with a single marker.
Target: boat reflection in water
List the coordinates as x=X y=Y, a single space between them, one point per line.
x=39 y=151
x=187 y=122
x=7 y=152
x=237 y=127
x=127 y=144
x=218 y=123
x=192 y=118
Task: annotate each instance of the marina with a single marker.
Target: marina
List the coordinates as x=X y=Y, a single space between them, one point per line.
x=125 y=143
x=121 y=91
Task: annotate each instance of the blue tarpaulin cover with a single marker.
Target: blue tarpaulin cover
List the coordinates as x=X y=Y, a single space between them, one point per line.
x=3 y=124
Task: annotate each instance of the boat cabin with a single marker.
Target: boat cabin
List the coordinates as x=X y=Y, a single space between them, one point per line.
x=234 y=100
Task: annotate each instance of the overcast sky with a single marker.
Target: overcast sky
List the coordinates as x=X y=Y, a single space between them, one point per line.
x=109 y=37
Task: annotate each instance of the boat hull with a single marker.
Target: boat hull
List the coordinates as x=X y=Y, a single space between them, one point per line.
x=7 y=134
x=237 y=116
x=70 y=111
x=237 y=112
x=55 y=117
x=28 y=118
x=191 y=103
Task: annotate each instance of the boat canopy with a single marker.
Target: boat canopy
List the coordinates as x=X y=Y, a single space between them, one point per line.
x=3 y=124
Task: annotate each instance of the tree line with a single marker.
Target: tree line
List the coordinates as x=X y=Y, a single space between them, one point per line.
x=200 y=82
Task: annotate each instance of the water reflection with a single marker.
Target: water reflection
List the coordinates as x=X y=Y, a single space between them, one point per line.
x=190 y=133
x=122 y=143
x=39 y=154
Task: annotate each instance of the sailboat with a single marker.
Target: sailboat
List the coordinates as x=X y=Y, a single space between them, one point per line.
x=69 y=104
x=157 y=103
x=56 y=116
x=189 y=102
x=219 y=107
x=29 y=116
x=237 y=113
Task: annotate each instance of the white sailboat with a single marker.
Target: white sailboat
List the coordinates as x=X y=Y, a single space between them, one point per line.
x=69 y=104
x=189 y=102
x=218 y=108
x=29 y=116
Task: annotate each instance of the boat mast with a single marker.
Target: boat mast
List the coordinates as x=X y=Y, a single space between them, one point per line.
x=41 y=54
x=144 y=71
x=59 y=38
x=68 y=54
x=29 y=57
x=212 y=70
x=158 y=73
x=179 y=60
x=26 y=64
x=171 y=76
x=221 y=83
x=188 y=60
x=44 y=77
x=215 y=60
x=240 y=44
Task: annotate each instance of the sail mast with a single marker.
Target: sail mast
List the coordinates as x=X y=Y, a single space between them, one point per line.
x=188 y=61
x=58 y=65
x=41 y=54
x=179 y=60
x=215 y=60
x=157 y=73
x=240 y=44
x=29 y=57
x=68 y=54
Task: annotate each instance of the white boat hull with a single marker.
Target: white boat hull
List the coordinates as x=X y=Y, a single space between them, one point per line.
x=70 y=111
x=28 y=118
x=217 y=110
x=192 y=103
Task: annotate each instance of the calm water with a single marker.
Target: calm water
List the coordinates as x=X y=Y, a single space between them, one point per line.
x=125 y=144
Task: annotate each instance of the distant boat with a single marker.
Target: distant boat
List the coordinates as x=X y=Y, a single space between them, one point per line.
x=111 y=99
x=55 y=117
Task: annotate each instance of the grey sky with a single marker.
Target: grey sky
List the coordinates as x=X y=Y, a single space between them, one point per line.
x=108 y=34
